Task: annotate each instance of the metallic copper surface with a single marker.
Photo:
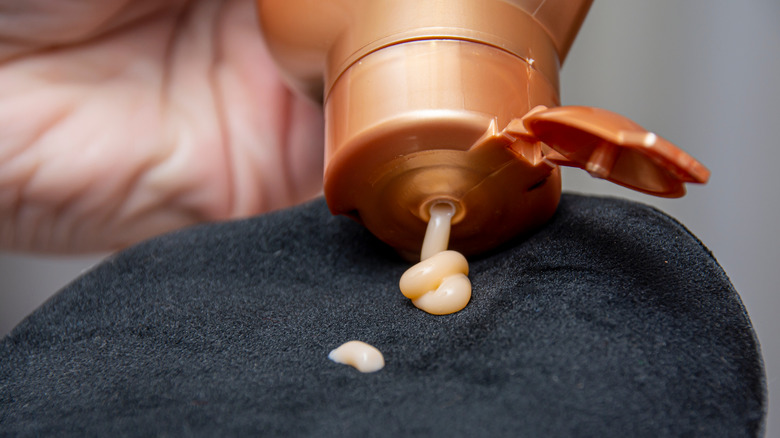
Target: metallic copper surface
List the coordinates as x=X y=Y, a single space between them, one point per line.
x=455 y=100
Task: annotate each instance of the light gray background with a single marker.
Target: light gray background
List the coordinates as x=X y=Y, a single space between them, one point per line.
x=701 y=73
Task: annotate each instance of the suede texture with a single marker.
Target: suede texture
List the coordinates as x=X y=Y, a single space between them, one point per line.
x=612 y=320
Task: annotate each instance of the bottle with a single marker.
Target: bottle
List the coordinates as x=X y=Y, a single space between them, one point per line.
x=455 y=101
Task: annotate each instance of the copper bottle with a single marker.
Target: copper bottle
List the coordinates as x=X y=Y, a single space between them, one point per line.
x=455 y=100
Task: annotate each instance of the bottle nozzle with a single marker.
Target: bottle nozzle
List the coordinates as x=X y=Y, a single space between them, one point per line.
x=431 y=133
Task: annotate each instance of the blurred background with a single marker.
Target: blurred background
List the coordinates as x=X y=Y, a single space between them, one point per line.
x=701 y=73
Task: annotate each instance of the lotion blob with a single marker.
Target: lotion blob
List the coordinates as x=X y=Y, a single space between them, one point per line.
x=364 y=357
x=438 y=284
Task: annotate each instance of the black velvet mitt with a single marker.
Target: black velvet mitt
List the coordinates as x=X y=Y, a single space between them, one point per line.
x=613 y=320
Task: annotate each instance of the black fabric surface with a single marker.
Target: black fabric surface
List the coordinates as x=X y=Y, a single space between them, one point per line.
x=613 y=320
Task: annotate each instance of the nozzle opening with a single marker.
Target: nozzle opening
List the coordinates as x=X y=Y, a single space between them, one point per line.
x=442 y=207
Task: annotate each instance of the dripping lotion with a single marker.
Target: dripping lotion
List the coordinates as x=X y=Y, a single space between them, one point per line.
x=438 y=284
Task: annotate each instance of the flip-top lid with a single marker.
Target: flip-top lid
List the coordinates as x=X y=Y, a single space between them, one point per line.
x=611 y=147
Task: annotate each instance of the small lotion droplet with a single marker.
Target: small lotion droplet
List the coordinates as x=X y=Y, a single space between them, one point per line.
x=364 y=357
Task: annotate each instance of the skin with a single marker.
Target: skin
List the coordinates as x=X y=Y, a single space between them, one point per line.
x=124 y=119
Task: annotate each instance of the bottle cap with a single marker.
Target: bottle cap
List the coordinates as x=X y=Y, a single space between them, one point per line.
x=611 y=147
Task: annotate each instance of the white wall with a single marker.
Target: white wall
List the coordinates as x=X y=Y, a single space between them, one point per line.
x=701 y=73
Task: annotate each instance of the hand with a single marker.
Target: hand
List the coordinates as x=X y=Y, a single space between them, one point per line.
x=123 y=119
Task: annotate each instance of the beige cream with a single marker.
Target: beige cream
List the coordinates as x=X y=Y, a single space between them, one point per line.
x=437 y=235
x=438 y=285
x=364 y=357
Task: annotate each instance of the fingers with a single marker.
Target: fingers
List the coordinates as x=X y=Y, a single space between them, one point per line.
x=176 y=120
x=87 y=164
x=275 y=138
x=32 y=25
